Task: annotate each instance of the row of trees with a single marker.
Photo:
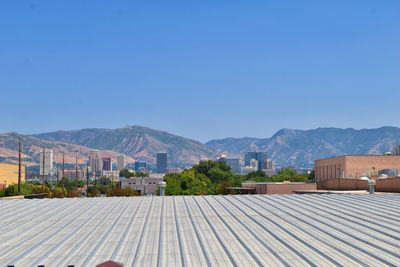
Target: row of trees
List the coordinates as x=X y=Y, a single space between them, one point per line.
x=129 y=173
x=214 y=177
x=69 y=188
x=207 y=177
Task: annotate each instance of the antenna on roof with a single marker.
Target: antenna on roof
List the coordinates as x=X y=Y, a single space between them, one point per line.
x=19 y=166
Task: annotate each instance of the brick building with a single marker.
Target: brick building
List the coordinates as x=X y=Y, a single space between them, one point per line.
x=354 y=167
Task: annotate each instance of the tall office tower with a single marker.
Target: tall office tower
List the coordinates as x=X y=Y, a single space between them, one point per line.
x=107 y=163
x=234 y=164
x=248 y=157
x=231 y=162
x=141 y=166
x=162 y=162
x=121 y=162
x=95 y=162
x=46 y=158
x=259 y=156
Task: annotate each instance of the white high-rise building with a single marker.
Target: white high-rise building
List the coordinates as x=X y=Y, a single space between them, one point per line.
x=254 y=164
x=46 y=161
x=95 y=162
x=269 y=167
x=121 y=162
x=396 y=151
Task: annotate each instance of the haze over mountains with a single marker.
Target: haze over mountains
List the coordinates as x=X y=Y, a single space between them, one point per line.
x=134 y=141
x=287 y=147
x=300 y=148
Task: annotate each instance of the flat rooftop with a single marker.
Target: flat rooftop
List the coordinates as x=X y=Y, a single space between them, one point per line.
x=243 y=230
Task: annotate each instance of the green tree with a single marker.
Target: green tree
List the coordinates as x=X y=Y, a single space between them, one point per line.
x=206 y=166
x=218 y=174
x=126 y=173
x=189 y=182
x=237 y=180
x=311 y=177
x=258 y=176
x=173 y=184
x=193 y=183
x=289 y=174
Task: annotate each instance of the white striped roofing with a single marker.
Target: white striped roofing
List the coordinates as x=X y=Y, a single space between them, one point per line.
x=246 y=230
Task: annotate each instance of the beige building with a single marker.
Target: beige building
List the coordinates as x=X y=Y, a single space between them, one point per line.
x=120 y=162
x=46 y=162
x=145 y=185
x=71 y=174
x=355 y=167
x=9 y=174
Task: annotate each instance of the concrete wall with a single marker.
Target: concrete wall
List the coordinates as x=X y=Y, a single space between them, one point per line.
x=279 y=188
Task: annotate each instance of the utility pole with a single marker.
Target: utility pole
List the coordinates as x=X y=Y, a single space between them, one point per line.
x=58 y=176
x=62 y=178
x=95 y=170
x=87 y=177
x=43 y=162
x=19 y=166
x=76 y=173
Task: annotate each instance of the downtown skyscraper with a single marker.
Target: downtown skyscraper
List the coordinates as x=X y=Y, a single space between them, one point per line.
x=162 y=162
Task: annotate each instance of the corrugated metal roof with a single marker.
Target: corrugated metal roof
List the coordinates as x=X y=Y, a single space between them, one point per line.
x=247 y=230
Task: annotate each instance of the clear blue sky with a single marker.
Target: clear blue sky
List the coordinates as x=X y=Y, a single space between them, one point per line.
x=201 y=69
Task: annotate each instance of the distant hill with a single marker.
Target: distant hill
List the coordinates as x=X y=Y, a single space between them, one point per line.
x=287 y=147
x=136 y=141
x=300 y=148
x=32 y=146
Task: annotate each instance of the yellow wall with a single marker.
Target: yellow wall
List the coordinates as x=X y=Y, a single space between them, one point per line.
x=9 y=173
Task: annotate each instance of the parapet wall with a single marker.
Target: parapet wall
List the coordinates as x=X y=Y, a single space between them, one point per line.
x=388 y=185
x=343 y=184
x=382 y=185
x=280 y=188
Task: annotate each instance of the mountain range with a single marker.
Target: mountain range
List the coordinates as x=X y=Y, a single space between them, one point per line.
x=300 y=148
x=288 y=147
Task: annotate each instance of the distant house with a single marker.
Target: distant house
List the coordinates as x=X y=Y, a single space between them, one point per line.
x=144 y=185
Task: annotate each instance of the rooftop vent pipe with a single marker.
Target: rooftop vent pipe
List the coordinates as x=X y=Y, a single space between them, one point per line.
x=371 y=184
x=162 y=186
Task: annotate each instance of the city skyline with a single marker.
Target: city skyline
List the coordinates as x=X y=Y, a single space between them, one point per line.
x=203 y=71
x=199 y=133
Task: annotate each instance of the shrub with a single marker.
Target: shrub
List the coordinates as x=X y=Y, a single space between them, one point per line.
x=73 y=193
x=40 y=189
x=122 y=192
x=57 y=192
x=93 y=192
x=11 y=190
